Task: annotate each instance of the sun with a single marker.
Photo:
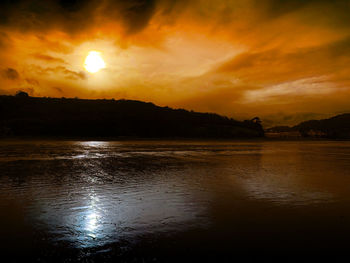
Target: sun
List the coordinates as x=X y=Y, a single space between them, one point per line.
x=94 y=62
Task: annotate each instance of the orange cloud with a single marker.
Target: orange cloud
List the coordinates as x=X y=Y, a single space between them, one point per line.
x=241 y=58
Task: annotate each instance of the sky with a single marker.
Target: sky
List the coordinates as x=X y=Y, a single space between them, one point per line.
x=282 y=60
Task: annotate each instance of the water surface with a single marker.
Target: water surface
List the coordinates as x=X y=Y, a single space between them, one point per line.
x=174 y=200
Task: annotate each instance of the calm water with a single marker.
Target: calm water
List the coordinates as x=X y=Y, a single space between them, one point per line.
x=172 y=201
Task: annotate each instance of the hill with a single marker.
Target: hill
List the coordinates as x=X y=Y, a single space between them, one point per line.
x=22 y=115
x=337 y=127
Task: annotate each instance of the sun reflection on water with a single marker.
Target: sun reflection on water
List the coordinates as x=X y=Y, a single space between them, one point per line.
x=94 y=143
x=91 y=223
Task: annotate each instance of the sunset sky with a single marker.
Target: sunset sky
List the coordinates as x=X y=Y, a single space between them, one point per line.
x=283 y=60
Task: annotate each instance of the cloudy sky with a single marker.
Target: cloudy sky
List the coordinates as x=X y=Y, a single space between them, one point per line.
x=282 y=60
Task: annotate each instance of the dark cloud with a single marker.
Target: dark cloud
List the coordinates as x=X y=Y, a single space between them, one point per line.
x=71 y=74
x=41 y=15
x=73 y=5
x=4 y=39
x=333 y=14
x=48 y=58
x=74 y=75
x=67 y=73
x=281 y=7
x=75 y=15
x=58 y=89
x=135 y=14
x=32 y=82
x=10 y=73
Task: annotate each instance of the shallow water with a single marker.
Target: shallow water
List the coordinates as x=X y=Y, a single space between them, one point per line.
x=170 y=200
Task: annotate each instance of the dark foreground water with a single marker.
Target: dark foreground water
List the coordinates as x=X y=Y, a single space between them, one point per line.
x=174 y=201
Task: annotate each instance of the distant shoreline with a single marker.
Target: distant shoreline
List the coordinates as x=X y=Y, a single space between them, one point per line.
x=111 y=139
x=24 y=116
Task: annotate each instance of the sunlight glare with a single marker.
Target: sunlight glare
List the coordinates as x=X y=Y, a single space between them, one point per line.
x=94 y=62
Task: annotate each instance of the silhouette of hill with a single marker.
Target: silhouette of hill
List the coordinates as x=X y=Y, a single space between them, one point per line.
x=22 y=115
x=337 y=127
